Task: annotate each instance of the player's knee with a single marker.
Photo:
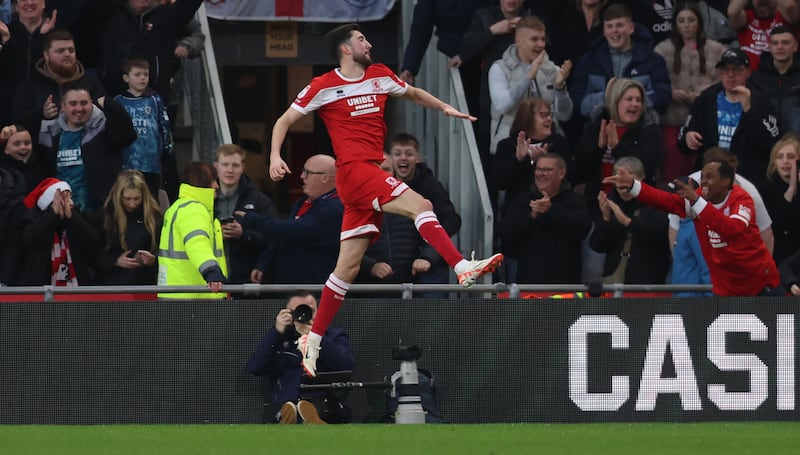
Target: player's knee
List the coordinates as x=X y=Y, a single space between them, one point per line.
x=424 y=206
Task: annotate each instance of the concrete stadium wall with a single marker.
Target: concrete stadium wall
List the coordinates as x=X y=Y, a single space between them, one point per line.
x=493 y=360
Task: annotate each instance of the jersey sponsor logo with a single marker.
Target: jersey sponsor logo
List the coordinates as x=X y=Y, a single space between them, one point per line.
x=69 y=157
x=715 y=240
x=363 y=104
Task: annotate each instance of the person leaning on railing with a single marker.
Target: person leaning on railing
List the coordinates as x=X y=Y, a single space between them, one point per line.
x=190 y=250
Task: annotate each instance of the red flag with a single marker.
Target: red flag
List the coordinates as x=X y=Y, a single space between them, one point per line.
x=290 y=8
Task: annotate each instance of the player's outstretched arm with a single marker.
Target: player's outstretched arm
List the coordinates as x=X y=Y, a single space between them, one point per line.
x=423 y=98
x=277 y=167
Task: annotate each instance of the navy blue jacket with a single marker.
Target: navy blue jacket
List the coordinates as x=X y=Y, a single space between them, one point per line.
x=304 y=249
x=277 y=357
x=594 y=70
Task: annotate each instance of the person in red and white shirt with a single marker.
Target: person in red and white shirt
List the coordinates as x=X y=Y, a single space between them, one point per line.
x=351 y=100
x=724 y=217
x=753 y=26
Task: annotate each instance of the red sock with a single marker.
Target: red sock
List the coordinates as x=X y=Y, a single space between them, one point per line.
x=429 y=228
x=332 y=298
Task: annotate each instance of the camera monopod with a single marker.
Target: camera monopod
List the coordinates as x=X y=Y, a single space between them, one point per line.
x=409 y=402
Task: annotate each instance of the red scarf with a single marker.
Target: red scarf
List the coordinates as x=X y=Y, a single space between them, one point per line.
x=62 y=270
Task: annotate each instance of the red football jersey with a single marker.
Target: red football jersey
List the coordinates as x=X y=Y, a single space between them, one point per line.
x=754 y=37
x=739 y=262
x=352 y=110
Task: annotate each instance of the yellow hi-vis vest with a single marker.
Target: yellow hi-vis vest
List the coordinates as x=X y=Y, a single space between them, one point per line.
x=191 y=243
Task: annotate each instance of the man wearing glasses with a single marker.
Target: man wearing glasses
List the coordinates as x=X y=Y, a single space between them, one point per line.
x=735 y=115
x=305 y=245
x=544 y=227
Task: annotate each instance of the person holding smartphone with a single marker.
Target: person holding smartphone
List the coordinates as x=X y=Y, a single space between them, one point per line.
x=237 y=193
x=132 y=228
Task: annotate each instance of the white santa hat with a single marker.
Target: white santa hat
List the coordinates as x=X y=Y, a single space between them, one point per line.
x=44 y=193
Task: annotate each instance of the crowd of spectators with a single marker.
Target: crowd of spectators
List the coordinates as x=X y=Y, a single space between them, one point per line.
x=568 y=95
x=644 y=88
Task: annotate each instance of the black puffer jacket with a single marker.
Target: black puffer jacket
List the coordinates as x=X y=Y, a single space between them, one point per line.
x=243 y=253
x=752 y=141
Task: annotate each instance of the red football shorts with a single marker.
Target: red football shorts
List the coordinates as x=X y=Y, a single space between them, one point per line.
x=363 y=188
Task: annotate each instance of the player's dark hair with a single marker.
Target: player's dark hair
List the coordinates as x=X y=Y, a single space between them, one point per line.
x=725 y=170
x=340 y=35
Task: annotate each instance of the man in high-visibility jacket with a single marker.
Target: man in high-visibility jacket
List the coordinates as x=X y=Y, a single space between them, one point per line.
x=191 y=250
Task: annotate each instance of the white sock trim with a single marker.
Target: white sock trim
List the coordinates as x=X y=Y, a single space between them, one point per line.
x=425 y=217
x=337 y=285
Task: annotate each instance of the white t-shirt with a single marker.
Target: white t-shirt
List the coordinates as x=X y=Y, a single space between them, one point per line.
x=762 y=216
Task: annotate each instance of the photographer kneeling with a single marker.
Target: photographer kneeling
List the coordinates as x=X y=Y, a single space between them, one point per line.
x=277 y=357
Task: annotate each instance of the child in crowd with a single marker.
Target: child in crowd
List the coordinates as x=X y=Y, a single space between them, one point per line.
x=153 y=144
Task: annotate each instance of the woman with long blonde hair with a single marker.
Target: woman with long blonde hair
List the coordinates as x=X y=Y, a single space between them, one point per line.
x=132 y=228
x=781 y=195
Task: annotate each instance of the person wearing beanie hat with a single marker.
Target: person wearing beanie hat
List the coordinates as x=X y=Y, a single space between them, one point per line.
x=57 y=243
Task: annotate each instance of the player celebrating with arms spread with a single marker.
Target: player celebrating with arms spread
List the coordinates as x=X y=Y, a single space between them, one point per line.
x=351 y=101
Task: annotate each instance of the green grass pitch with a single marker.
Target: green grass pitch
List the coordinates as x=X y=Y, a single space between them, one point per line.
x=601 y=438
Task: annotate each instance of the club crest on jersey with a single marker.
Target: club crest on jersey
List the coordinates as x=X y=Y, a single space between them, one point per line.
x=376 y=86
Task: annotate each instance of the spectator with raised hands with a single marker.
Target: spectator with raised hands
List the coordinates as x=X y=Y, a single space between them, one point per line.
x=735 y=115
x=738 y=260
x=543 y=227
x=781 y=196
x=633 y=236
x=526 y=71
x=623 y=126
x=22 y=154
x=753 y=25
x=38 y=98
x=58 y=243
x=532 y=135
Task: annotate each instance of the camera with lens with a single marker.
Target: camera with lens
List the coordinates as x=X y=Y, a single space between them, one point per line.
x=302 y=314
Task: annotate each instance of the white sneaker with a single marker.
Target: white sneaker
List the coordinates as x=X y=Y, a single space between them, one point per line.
x=479 y=268
x=310 y=351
